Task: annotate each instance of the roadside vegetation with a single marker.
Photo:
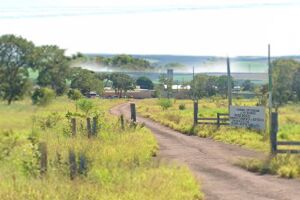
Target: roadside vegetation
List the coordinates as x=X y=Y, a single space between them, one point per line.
x=179 y=116
x=116 y=163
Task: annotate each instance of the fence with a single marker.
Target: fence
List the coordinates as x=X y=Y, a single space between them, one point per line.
x=275 y=143
x=219 y=120
x=222 y=119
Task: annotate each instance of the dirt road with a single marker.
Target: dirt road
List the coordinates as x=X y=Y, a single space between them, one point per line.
x=212 y=164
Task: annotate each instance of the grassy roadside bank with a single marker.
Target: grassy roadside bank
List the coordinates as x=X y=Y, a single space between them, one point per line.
x=179 y=116
x=119 y=163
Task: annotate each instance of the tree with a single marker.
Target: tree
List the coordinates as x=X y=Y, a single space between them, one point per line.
x=211 y=86
x=284 y=71
x=15 y=60
x=145 y=83
x=53 y=68
x=74 y=94
x=122 y=83
x=165 y=81
x=126 y=62
x=199 y=86
x=248 y=85
x=85 y=105
x=42 y=96
x=204 y=86
x=296 y=83
x=85 y=81
x=222 y=84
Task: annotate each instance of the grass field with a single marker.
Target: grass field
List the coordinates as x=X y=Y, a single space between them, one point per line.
x=119 y=163
x=182 y=120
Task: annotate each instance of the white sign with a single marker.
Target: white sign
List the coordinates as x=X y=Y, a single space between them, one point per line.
x=247 y=117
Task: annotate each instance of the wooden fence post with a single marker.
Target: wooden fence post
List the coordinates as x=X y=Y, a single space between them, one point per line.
x=43 y=158
x=88 y=126
x=274 y=130
x=82 y=169
x=218 y=120
x=195 y=113
x=133 y=112
x=72 y=165
x=95 y=126
x=74 y=128
x=122 y=122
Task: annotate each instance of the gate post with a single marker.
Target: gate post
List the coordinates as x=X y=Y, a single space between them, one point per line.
x=133 y=112
x=274 y=130
x=74 y=128
x=218 y=120
x=195 y=113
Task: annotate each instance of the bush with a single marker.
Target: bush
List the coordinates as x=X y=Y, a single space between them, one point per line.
x=85 y=105
x=74 y=94
x=182 y=106
x=165 y=103
x=42 y=96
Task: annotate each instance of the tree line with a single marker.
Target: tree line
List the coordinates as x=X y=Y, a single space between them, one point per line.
x=20 y=57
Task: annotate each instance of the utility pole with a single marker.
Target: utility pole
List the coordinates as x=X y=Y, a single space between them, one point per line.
x=270 y=88
x=195 y=101
x=229 y=84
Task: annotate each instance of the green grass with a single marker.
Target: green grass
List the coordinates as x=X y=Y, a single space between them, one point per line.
x=120 y=162
x=285 y=166
x=182 y=120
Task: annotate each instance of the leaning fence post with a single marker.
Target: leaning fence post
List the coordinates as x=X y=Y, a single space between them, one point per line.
x=72 y=165
x=122 y=122
x=43 y=158
x=88 y=126
x=195 y=113
x=74 y=129
x=218 y=120
x=133 y=112
x=95 y=125
x=82 y=168
x=274 y=130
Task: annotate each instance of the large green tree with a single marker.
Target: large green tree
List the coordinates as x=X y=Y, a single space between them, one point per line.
x=222 y=84
x=204 y=86
x=85 y=81
x=15 y=60
x=296 y=83
x=53 y=68
x=144 y=83
x=122 y=83
x=248 y=85
x=284 y=71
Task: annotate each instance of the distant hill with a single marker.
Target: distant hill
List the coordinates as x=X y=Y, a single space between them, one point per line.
x=185 y=64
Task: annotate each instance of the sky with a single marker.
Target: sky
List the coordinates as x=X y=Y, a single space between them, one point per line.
x=173 y=27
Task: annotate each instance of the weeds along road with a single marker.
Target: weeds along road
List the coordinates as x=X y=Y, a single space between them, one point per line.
x=212 y=164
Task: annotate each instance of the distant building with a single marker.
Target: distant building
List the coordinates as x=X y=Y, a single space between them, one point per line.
x=136 y=94
x=236 y=89
x=92 y=94
x=179 y=87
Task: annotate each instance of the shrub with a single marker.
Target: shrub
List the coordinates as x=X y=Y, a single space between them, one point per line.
x=165 y=103
x=42 y=96
x=85 y=105
x=50 y=120
x=182 y=106
x=74 y=94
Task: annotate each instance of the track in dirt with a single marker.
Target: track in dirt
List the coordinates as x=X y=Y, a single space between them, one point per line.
x=212 y=164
